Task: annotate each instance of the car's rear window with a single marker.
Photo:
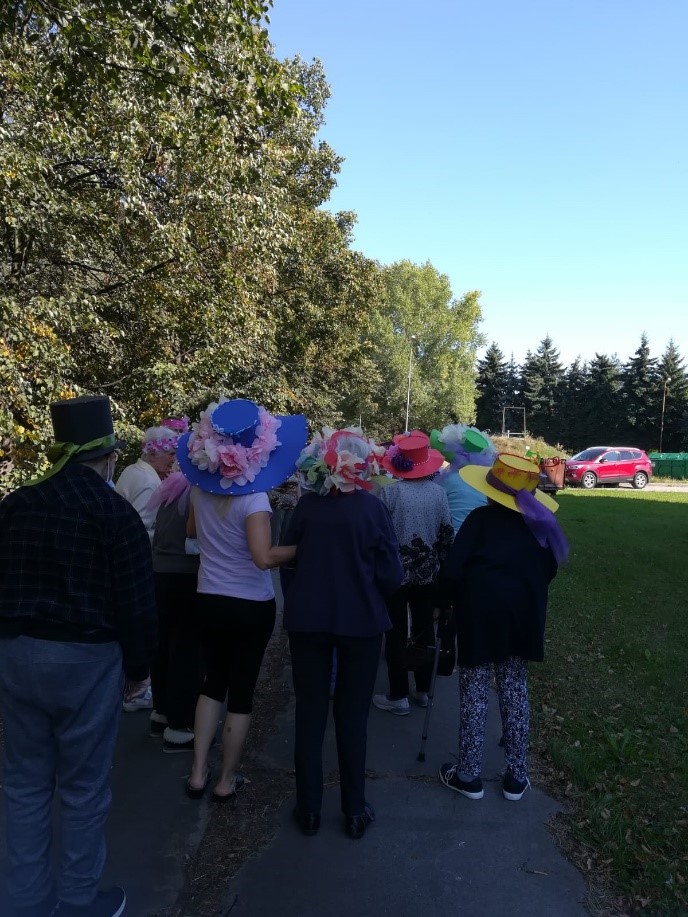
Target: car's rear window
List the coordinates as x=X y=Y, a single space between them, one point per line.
x=588 y=455
x=627 y=455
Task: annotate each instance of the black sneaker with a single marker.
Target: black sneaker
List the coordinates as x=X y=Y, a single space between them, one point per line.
x=512 y=788
x=105 y=904
x=355 y=825
x=472 y=789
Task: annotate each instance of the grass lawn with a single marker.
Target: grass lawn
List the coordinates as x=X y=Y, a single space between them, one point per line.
x=610 y=703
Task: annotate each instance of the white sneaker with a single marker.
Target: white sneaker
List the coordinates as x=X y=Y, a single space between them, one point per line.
x=142 y=701
x=421 y=698
x=175 y=740
x=398 y=707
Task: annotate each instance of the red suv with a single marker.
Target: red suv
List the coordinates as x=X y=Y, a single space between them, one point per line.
x=608 y=465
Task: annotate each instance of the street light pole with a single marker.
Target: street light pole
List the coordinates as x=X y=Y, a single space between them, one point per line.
x=408 y=387
x=661 y=426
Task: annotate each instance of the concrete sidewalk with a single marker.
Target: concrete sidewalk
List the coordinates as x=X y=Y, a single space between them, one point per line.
x=430 y=850
x=153 y=828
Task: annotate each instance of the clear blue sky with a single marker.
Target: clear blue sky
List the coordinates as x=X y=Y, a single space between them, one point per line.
x=536 y=151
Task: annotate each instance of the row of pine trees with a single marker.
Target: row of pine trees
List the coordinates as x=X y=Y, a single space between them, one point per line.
x=601 y=401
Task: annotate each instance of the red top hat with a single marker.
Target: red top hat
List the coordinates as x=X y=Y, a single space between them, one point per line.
x=410 y=456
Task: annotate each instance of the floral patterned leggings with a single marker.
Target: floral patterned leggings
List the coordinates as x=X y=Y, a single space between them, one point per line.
x=512 y=690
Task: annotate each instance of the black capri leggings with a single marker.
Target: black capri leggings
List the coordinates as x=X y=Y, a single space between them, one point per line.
x=234 y=634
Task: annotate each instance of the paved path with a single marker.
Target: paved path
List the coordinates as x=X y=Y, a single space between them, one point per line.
x=431 y=851
x=152 y=828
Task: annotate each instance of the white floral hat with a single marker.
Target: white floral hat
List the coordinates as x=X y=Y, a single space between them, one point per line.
x=343 y=460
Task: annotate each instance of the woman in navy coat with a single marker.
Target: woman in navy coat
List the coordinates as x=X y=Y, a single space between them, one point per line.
x=347 y=564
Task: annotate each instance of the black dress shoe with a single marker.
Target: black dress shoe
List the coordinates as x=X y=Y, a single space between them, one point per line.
x=356 y=824
x=308 y=822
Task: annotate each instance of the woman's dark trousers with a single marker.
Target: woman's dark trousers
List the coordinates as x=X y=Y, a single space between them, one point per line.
x=357 y=663
x=421 y=602
x=176 y=671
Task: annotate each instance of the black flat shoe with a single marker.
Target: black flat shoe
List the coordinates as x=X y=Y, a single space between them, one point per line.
x=239 y=782
x=356 y=824
x=196 y=792
x=308 y=822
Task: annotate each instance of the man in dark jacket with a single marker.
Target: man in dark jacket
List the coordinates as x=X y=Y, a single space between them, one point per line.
x=77 y=617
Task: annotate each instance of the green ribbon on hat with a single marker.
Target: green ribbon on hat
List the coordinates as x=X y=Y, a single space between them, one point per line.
x=60 y=453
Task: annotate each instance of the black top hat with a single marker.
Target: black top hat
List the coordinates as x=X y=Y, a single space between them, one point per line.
x=81 y=420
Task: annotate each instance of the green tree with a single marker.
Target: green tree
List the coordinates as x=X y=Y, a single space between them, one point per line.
x=542 y=375
x=418 y=319
x=671 y=370
x=512 y=417
x=642 y=398
x=574 y=390
x=160 y=224
x=602 y=416
x=492 y=385
x=139 y=196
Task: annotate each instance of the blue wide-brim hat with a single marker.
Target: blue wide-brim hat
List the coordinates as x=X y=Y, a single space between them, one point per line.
x=237 y=419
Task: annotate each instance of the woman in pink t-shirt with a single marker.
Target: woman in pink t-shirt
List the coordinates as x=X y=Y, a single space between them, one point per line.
x=233 y=456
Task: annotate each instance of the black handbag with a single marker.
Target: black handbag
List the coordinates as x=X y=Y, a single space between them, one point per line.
x=421 y=656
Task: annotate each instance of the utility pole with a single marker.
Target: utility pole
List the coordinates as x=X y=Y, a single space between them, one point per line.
x=661 y=426
x=408 y=387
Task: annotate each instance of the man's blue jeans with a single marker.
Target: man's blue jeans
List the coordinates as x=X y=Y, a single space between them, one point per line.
x=60 y=704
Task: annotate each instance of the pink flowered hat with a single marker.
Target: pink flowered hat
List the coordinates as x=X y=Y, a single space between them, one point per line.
x=179 y=424
x=237 y=447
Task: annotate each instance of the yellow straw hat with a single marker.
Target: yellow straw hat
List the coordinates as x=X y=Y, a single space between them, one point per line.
x=508 y=475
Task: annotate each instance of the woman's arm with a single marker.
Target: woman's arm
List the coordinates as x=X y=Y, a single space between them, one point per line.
x=389 y=573
x=259 y=540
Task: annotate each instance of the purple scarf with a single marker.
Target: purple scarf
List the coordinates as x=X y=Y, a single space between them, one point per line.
x=540 y=520
x=463 y=457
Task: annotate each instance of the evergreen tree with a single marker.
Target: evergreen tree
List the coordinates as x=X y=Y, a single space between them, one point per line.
x=513 y=397
x=513 y=382
x=542 y=376
x=492 y=386
x=601 y=413
x=671 y=370
x=642 y=398
x=573 y=394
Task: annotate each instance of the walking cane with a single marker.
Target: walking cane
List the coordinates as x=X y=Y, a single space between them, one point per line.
x=431 y=694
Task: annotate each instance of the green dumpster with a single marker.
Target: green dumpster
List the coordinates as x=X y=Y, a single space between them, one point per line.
x=670 y=465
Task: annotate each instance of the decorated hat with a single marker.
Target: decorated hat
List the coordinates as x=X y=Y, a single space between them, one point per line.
x=237 y=447
x=159 y=439
x=506 y=478
x=512 y=481
x=343 y=460
x=178 y=424
x=410 y=456
x=83 y=431
x=83 y=421
x=460 y=444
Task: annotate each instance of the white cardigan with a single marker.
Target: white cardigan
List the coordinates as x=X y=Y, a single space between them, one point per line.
x=137 y=484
